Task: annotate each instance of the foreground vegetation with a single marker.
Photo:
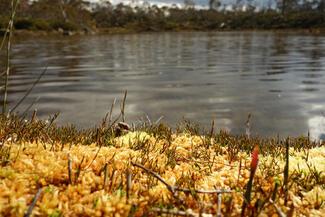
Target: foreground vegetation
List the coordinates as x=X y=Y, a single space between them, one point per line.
x=45 y=15
x=112 y=170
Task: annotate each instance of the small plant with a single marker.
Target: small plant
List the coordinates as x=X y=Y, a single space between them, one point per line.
x=249 y=186
x=286 y=172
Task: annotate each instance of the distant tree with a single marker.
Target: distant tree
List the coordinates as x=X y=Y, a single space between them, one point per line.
x=214 y=4
x=288 y=5
x=309 y=5
x=269 y=4
x=22 y=9
x=105 y=4
x=146 y=4
x=189 y=4
x=238 y=5
x=103 y=13
x=250 y=4
x=321 y=6
x=174 y=6
x=75 y=12
x=123 y=14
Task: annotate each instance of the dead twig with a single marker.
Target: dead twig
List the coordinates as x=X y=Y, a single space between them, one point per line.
x=175 y=212
x=212 y=129
x=157 y=176
x=79 y=169
x=9 y=31
x=219 y=205
x=10 y=23
x=31 y=207
x=123 y=106
x=111 y=111
x=286 y=172
x=128 y=184
x=34 y=116
x=30 y=106
x=158 y=120
x=70 y=169
x=108 y=115
x=149 y=121
x=173 y=189
x=202 y=191
x=248 y=126
x=278 y=210
x=100 y=147
x=29 y=91
x=105 y=176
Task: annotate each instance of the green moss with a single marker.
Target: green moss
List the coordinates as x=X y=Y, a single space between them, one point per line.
x=7 y=173
x=56 y=213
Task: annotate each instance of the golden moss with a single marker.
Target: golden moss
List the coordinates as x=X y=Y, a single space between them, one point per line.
x=34 y=166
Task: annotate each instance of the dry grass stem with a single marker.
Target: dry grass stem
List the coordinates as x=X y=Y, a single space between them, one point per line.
x=172 y=212
x=32 y=205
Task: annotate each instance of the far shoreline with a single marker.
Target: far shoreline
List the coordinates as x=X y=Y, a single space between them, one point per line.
x=125 y=31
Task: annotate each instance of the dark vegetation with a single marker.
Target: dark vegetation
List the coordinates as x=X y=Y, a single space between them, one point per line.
x=78 y=15
x=19 y=130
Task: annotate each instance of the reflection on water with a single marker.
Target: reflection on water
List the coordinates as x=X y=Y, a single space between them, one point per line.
x=278 y=77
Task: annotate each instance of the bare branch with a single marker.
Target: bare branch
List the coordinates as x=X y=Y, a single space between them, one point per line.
x=219 y=205
x=157 y=176
x=30 y=106
x=278 y=210
x=70 y=169
x=158 y=120
x=173 y=189
x=29 y=91
x=111 y=111
x=31 y=207
x=9 y=32
x=128 y=184
x=188 y=213
x=123 y=106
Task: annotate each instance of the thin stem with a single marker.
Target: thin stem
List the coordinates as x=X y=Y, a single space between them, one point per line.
x=173 y=212
x=70 y=169
x=31 y=207
x=123 y=106
x=14 y=5
x=173 y=189
x=28 y=91
x=219 y=205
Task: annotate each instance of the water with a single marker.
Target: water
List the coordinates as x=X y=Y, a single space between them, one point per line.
x=277 y=77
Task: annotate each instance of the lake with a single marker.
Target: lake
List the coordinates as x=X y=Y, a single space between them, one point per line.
x=200 y=76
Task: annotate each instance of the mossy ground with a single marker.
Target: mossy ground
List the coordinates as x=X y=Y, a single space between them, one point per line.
x=93 y=173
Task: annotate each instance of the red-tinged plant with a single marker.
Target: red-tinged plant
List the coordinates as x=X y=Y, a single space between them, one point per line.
x=247 y=195
x=254 y=159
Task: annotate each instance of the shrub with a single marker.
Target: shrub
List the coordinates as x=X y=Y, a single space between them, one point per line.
x=305 y=19
x=24 y=23
x=42 y=25
x=3 y=22
x=67 y=26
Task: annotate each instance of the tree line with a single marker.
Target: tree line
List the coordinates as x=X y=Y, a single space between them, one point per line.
x=82 y=15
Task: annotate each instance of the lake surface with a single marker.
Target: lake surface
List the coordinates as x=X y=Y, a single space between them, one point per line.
x=277 y=77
